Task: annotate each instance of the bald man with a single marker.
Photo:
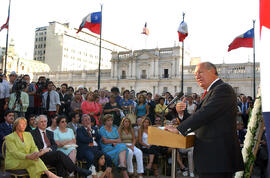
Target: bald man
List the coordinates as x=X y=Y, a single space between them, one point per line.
x=217 y=149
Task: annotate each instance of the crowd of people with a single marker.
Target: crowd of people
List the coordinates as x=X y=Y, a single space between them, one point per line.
x=59 y=126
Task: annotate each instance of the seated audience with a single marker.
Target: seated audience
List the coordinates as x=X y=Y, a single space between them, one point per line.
x=111 y=144
x=88 y=140
x=31 y=123
x=44 y=140
x=65 y=138
x=113 y=108
x=151 y=150
x=22 y=153
x=128 y=137
x=74 y=124
x=6 y=127
x=142 y=108
x=53 y=126
x=76 y=102
x=92 y=107
x=160 y=107
x=99 y=168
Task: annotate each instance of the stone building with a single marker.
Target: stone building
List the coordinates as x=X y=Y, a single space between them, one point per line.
x=59 y=46
x=157 y=71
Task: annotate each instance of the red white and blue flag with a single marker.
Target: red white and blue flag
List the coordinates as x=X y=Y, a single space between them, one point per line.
x=182 y=31
x=7 y=22
x=244 y=40
x=92 y=22
x=145 y=29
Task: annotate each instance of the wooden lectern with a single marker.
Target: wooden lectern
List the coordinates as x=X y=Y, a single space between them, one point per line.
x=157 y=136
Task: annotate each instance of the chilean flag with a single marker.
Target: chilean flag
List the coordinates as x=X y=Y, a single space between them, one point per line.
x=244 y=40
x=7 y=22
x=264 y=14
x=182 y=31
x=92 y=22
x=145 y=29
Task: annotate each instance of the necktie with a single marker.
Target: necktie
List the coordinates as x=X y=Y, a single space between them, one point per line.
x=48 y=101
x=204 y=94
x=47 y=141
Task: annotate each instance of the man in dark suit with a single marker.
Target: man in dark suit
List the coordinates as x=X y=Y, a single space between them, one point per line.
x=6 y=127
x=216 y=150
x=45 y=141
x=88 y=140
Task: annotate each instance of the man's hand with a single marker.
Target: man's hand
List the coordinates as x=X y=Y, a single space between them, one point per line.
x=180 y=107
x=171 y=128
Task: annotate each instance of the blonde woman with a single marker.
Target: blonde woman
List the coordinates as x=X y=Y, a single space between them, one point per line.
x=127 y=136
x=22 y=153
x=152 y=150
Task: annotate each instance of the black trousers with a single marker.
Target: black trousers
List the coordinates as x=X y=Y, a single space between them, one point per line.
x=60 y=161
x=216 y=175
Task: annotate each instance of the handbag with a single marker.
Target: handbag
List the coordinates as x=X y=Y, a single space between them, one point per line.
x=131 y=116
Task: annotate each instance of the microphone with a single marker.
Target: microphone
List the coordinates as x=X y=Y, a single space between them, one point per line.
x=176 y=98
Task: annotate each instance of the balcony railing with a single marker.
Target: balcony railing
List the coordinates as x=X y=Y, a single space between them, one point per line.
x=143 y=76
x=123 y=77
x=165 y=76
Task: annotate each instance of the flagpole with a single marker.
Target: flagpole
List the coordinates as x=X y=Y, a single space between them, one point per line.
x=5 y=71
x=99 y=50
x=182 y=72
x=254 y=79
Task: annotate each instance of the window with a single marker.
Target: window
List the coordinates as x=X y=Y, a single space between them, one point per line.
x=44 y=52
x=189 y=90
x=143 y=74
x=236 y=90
x=165 y=89
x=166 y=73
x=123 y=76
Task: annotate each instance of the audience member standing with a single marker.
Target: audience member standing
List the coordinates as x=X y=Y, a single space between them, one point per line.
x=4 y=96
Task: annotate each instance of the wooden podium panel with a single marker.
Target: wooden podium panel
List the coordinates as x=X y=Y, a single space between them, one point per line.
x=157 y=136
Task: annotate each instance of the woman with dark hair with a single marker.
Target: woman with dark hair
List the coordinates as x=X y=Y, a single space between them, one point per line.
x=65 y=138
x=142 y=108
x=113 y=108
x=99 y=168
x=22 y=152
x=92 y=107
x=53 y=126
x=160 y=107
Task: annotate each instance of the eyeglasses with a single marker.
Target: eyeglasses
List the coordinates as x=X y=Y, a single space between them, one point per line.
x=158 y=120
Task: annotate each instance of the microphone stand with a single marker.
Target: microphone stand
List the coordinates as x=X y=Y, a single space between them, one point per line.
x=173 y=169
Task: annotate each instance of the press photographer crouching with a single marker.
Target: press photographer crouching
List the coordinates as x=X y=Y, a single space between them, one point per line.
x=19 y=100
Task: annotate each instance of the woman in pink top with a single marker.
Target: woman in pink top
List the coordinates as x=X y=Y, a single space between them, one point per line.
x=91 y=107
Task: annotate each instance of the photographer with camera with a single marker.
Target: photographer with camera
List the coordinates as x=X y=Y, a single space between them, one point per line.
x=51 y=102
x=19 y=100
x=31 y=90
x=4 y=96
x=41 y=88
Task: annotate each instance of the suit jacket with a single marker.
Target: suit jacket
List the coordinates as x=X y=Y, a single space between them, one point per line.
x=70 y=125
x=83 y=140
x=16 y=151
x=4 y=131
x=38 y=139
x=216 y=148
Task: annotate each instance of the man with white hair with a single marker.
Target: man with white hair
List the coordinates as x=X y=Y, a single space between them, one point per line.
x=45 y=141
